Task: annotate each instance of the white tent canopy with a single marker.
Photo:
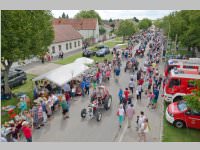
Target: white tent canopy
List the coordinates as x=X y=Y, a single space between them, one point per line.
x=84 y=60
x=63 y=74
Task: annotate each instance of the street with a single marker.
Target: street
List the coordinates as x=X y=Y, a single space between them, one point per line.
x=75 y=129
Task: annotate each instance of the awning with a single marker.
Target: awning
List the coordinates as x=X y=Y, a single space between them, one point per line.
x=63 y=74
x=84 y=60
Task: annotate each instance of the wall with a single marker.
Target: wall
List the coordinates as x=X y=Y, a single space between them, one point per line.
x=63 y=47
x=91 y=33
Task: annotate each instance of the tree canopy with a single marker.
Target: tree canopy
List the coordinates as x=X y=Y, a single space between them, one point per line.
x=193 y=101
x=185 y=24
x=24 y=33
x=64 y=16
x=145 y=23
x=102 y=30
x=88 y=14
x=126 y=28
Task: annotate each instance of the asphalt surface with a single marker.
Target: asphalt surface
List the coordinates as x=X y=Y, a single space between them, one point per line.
x=76 y=129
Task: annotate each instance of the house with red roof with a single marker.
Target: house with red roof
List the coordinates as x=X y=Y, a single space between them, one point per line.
x=66 y=39
x=87 y=27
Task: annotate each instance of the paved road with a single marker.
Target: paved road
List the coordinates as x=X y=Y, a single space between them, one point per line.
x=75 y=129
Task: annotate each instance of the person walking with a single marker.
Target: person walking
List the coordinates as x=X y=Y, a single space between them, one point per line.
x=126 y=97
x=139 y=89
x=131 y=85
x=83 y=88
x=27 y=131
x=120 y=114
x=44 y=111
x=65 y=107
x=156 y=95
x=120 y=94
x=87 y=87
x=144 y=129
x=130 y=113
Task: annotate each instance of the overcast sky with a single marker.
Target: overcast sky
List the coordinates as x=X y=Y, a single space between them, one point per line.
x=119 y=14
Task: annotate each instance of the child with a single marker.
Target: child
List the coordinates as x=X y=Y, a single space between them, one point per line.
x=137 y=123
x=137 y=94
x=150 y=98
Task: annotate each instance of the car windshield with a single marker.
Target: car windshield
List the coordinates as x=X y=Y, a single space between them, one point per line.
x=182 y=106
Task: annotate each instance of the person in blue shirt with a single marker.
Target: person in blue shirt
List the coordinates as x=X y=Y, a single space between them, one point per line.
x=87 y=87
x=120 y=94
x=83 y=87
x=156 y=93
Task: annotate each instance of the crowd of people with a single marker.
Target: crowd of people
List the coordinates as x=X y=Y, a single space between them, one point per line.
x=144 y=81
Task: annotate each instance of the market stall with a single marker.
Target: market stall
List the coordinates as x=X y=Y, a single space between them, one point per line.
x=63 y=74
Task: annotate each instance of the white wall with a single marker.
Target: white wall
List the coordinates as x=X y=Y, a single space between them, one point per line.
x=63 y=47
x=91 y=33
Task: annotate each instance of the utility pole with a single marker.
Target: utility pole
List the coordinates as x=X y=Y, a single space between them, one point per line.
x=176 y=41
x=168 y=36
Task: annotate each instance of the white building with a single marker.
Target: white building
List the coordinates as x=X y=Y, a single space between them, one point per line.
x=66 y=38
x=88 y=28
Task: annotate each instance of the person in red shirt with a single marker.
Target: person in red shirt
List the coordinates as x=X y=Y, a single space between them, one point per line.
x=126 y=95
x=27 y=131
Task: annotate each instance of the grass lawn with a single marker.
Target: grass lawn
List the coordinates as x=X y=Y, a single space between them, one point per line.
x=25 y=88
x=173 y=134
x=72 y=58
x=101 y=59
x=69 y=59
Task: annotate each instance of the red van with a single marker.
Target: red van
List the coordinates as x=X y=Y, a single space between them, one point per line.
x=180 y=115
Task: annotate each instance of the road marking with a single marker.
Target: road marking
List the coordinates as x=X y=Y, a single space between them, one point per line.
x=125 y=127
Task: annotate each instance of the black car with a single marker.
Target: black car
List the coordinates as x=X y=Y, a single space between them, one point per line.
x=88 y=53
x=15 y=77
x=102 y=52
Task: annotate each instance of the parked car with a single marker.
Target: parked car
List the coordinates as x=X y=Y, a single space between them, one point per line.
x=15 y=77
x=88 y=53
x=102 y=46
x=180 y=115
x=102 y=52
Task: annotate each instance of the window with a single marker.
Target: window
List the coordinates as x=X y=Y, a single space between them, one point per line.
x=60 y=47
x=53 y=49
x=78 y=43
x=70 y=45
x=67 y=46
x=174 y=82
x=74 y=44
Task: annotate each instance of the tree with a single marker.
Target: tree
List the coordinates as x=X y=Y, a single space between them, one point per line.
x=135 y=19
x=184 y=27
x=110 y=20
x=113 y=27
x=67 y=17
x=193 y=101
x=126 y=28
x=102 y=30
x=63 y=15
x=145 y=23
x=88 y=14
x=24 y=33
